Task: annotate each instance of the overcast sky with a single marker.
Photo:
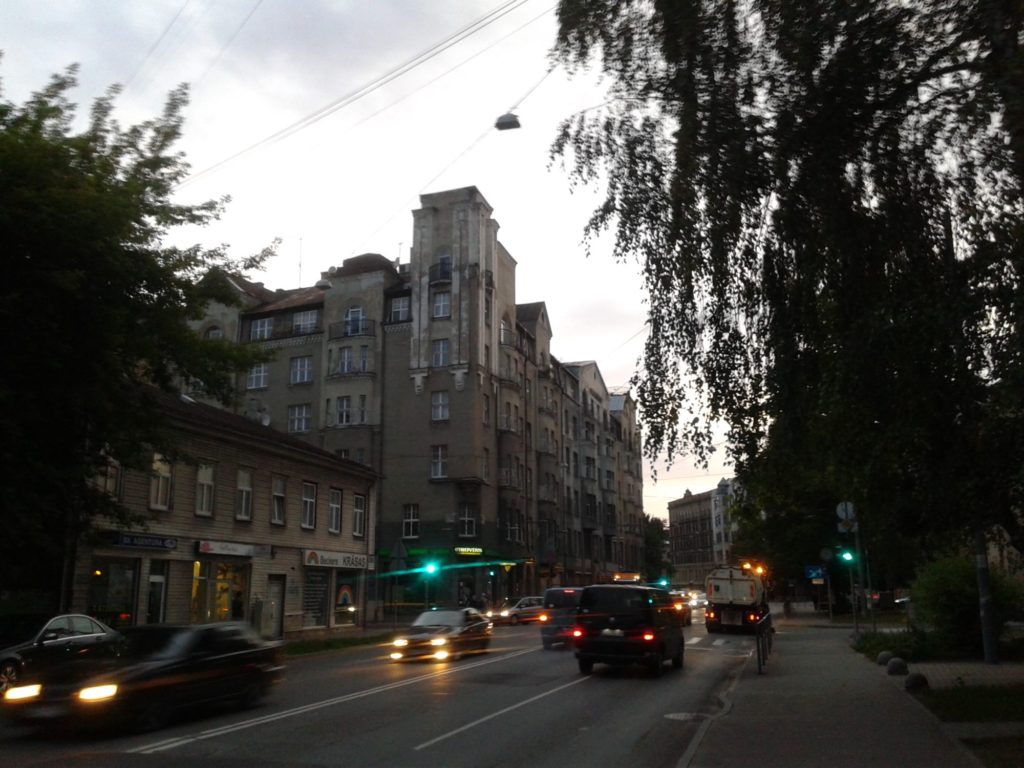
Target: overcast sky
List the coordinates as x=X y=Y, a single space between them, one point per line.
x=345 y=182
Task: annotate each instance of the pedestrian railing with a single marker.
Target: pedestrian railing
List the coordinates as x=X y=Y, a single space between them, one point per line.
x=764 y=641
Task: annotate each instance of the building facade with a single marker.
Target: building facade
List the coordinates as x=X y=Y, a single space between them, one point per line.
x=504 y=468
x=243 y=523
x=701 y=532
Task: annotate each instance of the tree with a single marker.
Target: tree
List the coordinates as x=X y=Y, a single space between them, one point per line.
x=656 y=565
x=825 y=199
x=94 y=308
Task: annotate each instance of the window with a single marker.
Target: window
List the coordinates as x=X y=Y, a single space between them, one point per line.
x=439 y=405
x=467 y=521
x=440 y=352
x=259 y=376
x=400 y=310
x=344 y=414
x=300 y=417
x=361 y=413
x=214 y=332
x=277 y=497
x=110 y=479
x=345 y=360
x=204 y=490
x=243 y=495
x=364 y=358
x=301 y=370
x=487 y=310
x=261 y=328
x=438 y=461
x=305 y=322
x=487 y=409
x=442 y=304
x=308 y=505
x=359 y=515
x=334 y=511
x=411 y=521
x=354 y=321
x=486 y=470
x=160 y=483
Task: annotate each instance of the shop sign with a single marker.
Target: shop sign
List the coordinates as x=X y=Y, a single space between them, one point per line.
x=319 y=558
x=142 y=541
x=206 y=547
x=470 y=551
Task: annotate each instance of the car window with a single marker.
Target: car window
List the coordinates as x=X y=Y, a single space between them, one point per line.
x=438 y=618
x=83 y=625
x=613 y=600
x=561 y=598
x=60 y=626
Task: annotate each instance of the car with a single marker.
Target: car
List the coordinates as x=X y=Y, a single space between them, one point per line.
x=518 y=610
x=627 y=624
x=160 y=671
x=559 y=616
x=682 y=603
x=698 y=599
x=443 y=633
x=33 y=642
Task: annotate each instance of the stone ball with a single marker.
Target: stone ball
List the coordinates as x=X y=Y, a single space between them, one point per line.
x=884 y=657
x=896 y=666
x=916 y=682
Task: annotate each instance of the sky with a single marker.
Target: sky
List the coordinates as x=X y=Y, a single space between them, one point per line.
x=324 y=120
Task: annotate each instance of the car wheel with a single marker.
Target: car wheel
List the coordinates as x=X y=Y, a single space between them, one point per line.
x=546 y=644
x=677 y=659
x=658 y=663
x=251 y=694
x=586 y=666
x=151 y=716
x=515 y=619
x=8 y=674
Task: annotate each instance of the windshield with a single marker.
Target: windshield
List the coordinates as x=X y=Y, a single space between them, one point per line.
x=438 y=618
x=155 y=642
x=561 y=598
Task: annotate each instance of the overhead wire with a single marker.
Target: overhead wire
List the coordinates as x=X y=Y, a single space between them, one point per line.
x=227 y=44
x=152 y=48
x=368 y=88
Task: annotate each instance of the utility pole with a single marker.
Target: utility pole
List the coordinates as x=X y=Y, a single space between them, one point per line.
x=988 y=627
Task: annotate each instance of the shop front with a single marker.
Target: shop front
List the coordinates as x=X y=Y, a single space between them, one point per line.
x=334 y=588
x=221 y=576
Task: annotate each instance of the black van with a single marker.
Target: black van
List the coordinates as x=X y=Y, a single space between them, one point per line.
x=627 y=624
x=558 y=616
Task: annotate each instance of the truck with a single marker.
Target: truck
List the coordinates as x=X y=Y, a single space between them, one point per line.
x=737 y=598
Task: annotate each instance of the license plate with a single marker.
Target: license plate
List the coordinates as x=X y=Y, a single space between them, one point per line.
x=611 y=632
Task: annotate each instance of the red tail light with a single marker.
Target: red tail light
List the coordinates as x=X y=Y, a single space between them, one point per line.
x=753 y=617
x=648 y=636
x=577 y=632
x=709 y=614
x=542 y=617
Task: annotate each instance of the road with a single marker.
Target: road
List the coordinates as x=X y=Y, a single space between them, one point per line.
x=515 y=705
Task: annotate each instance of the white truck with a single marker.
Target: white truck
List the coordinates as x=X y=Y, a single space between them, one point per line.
x=736 y=598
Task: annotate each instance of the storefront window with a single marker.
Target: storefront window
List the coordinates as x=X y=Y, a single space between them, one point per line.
x=219 y=591
x=112 y=590
x=345 y=599
x=314 y=597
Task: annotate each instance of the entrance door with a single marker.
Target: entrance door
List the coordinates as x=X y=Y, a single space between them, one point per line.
x=273 y=615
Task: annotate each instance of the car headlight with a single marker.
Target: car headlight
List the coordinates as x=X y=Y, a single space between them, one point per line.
x=98 y=692
x=401 y=642
x=438 y=641
x=22 y=692
x=504 y=614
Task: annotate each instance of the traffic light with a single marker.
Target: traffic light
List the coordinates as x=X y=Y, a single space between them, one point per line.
x=663 y=582
x=430 y=568
x=846 y=556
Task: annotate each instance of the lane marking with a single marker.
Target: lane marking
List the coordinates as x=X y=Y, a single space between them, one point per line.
x=500 y=712
x=245 y=724
x=693 y=640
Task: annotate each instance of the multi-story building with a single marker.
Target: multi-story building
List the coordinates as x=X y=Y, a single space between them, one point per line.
x=240 y=522
x=508 y=470
x=701 y=532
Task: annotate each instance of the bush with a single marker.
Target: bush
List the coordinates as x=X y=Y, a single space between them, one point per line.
x=945 y=600
x=909 y=645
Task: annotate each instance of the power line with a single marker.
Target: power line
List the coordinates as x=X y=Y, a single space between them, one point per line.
x=149 y=53
x=365 y=90
x=230 y=40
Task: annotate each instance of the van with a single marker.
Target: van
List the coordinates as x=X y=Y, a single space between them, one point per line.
x=627 y=624
x=558 y=616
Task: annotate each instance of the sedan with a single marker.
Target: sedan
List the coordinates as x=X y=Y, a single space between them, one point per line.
x=162 y=670
x=519 y=610
x=31 y=643
x=443 y=634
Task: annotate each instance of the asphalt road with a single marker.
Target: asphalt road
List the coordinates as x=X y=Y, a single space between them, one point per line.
x=515 y=705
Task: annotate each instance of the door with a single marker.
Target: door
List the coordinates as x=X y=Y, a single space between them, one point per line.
x=273 y=617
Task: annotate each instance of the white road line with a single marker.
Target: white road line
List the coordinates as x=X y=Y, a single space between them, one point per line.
x=500 y=712
x=213 y=732
x=720 y=641
x=693 y=640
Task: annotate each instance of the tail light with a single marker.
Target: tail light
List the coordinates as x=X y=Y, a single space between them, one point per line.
x=710 y=614
x=577 y=632
x=542 y=617
x=648 y=635
x=753 y=618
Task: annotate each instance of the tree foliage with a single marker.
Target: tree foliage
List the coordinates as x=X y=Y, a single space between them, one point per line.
x=825 y=199
x=93 y=306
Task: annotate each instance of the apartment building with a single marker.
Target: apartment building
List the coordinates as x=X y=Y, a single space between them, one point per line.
x=701 y=532
x=240 y=522
x=504 y=467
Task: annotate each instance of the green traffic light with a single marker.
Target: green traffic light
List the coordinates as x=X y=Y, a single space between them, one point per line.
x=846 y=555
x=663 y=582
x=430 y=568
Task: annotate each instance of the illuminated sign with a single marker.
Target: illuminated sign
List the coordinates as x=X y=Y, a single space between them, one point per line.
x=322 y=559
x=469 y=550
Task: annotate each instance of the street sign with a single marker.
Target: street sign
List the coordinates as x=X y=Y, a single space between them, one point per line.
x=398 y=555
x=814 y=572
x=847 y=526
x=846 y=511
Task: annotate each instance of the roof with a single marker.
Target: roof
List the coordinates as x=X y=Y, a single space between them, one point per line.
x=291 y=299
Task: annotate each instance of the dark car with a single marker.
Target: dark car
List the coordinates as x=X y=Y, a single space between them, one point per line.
x=620 y=624
x=559 y=615
x=160 y=671
x=31 y=643
x=443 y=633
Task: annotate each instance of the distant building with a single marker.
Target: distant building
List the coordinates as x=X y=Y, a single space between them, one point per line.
x=701 y=532
x=509 y=469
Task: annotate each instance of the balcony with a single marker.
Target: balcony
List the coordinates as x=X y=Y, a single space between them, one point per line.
x=351 y=369
x=508 y=424
x=510 y=377
x=546 y=447
x=345 y=329
x=509 y=478
x=286 y=331
x=548 y=407
x=441 y=272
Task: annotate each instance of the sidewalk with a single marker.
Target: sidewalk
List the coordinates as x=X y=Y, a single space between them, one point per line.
x=819 y=703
